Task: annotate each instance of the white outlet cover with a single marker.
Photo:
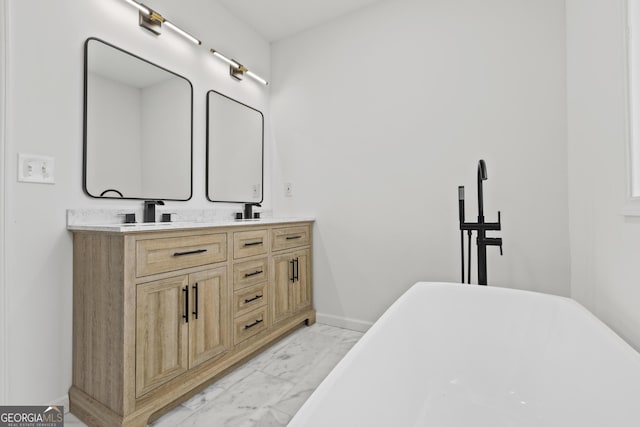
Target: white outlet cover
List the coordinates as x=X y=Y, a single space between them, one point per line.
x=288 y=189
x=36 y=168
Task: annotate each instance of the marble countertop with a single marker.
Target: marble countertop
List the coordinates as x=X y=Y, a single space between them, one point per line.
x=186 y=225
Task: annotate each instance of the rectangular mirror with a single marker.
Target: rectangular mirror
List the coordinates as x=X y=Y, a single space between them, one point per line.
x=235 y=145
x=137 y=127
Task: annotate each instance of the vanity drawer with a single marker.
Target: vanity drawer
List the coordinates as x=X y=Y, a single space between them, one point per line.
x=249 y=273
x=250 y=324
x=174 y=253
x=290 y=237
x=250 y=298
x=249 y=243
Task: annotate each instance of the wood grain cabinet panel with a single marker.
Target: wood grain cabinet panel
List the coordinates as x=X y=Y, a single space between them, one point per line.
x=290 y=237
x=249 y=243
x=250 y=324
x=249 y=273
x=283 y=270
x=173 y=253
x=247 y=299
x=162 y=332
x=210 y=322
x=301 y=291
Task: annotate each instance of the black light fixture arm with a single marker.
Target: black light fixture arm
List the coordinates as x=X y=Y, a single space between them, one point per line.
x=481 y=227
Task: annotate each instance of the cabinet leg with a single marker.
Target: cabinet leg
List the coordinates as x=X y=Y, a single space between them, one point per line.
x=311 y=319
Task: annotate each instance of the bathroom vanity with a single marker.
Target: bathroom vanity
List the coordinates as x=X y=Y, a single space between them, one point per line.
x=161 y=311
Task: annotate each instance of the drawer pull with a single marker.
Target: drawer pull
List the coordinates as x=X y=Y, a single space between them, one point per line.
x=251 y=325
x=253 y=244
x=195 y=308
x=255 y=273
x=293 y=237
x=185 y=316
x=197 y=251
x=246 y=301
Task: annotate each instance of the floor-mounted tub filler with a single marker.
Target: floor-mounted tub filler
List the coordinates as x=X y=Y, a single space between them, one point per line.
x=455 y=355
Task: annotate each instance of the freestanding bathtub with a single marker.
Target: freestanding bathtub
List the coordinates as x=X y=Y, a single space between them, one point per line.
x=459 y=355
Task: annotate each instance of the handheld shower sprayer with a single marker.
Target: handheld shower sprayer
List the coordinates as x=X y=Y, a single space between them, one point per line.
x=482 y=170
x=461 y=203
x=482 y=176
x=481 y=227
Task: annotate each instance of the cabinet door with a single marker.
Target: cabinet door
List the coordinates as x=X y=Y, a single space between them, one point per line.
x=301 y=287
x=161 y=332
x=292 y=283
x=283 y=279
x=209 y=326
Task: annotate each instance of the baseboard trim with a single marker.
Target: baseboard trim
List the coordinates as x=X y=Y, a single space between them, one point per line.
x=343 y=322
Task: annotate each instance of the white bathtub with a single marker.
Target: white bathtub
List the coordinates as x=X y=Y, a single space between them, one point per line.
x=459 y=355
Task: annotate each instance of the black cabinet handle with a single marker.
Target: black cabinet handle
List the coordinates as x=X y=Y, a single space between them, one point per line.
x=297 y=271
x=292 y=278
x=255 y=273
x=185 y=316
x=293 y=237
x=251 y=325
x=197 y=251
x=257 y=297
x=253 y=243
x=195 y=303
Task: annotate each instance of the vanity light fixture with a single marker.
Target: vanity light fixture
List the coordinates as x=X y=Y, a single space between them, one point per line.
x=152 y=21
x=237 y=70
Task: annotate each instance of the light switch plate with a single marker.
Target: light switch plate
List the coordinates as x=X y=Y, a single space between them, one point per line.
x=36 y=168
x=288 y=189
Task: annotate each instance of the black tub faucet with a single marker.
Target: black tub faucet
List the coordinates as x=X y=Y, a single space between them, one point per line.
x=481 y=227
x=150 y=210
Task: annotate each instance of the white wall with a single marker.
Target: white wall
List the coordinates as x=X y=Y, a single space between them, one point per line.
x=380 y=115
x=44 y=116
x=605 y=245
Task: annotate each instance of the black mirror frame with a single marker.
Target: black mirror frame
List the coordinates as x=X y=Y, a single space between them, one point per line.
x=84 y=125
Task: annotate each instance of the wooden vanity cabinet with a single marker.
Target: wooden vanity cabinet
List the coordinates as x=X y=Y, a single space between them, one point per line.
x=158 y=315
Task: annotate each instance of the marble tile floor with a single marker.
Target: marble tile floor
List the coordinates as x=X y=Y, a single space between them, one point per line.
x=268 y=389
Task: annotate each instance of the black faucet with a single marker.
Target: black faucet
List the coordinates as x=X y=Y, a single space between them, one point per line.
x=481 y=227
x=248 y=209
x=150 y=210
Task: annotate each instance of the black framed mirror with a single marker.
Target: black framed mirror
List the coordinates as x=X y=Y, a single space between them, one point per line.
x=138 y=127
x=235 y=150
